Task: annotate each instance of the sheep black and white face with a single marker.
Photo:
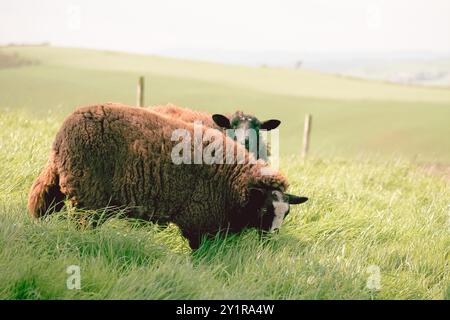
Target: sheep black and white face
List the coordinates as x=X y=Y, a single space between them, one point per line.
x=279 y=209
x=245 y=122
x=271 y=208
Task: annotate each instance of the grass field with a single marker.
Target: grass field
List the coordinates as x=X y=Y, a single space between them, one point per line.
x=351 y=117
x=372 y=204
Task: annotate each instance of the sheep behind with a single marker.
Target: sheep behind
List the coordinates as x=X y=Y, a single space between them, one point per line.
x=237 y=121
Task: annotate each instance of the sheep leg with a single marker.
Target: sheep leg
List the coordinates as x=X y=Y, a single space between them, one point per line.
x=45 y=193
x=194 y=242
x=193 y=238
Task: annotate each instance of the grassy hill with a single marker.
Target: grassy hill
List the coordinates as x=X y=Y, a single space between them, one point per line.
x=351 y=117
x=378 y=212
x=361 y=214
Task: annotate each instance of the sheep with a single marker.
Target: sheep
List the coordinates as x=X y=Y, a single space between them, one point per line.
x=187 y=115
x=236 y=121
x=249 y=123
x=113 y=155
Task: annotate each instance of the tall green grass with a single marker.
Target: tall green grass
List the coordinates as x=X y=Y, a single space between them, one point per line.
x=361 y=213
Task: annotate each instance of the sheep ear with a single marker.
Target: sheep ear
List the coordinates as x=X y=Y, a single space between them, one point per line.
x=295 y=199
x=256 y=196
x=221 y=121
x=270 y=124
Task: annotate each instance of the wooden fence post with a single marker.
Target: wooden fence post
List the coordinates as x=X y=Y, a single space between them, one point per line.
x=306 y=135
x=140 y=92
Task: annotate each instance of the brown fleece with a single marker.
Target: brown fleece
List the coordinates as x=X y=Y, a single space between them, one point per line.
x=116 y=155
x=186 y=114
x=45 y=191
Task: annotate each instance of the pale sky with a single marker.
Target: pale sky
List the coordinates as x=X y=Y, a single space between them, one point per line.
x=149 y=26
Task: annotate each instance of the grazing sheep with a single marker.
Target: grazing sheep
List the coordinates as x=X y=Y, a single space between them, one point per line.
x=115 y=155
x=238 y=120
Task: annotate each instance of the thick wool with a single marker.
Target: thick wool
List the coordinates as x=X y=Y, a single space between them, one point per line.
x=117 y=155
x=186 y=114
x=189 y=115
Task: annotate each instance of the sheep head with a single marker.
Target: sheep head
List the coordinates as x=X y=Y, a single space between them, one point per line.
x=267 y=209
x=246 y=122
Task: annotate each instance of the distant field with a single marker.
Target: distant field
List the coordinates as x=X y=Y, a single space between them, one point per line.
x=351 y=117
x=432 y=72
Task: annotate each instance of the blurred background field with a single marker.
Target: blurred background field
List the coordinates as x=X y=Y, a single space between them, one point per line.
x=350 y=116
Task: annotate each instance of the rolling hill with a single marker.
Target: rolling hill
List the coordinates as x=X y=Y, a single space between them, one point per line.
x=350 y=116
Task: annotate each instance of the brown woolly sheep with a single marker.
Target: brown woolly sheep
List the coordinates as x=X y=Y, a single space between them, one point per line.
x=237 y=120
x=116 y=155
